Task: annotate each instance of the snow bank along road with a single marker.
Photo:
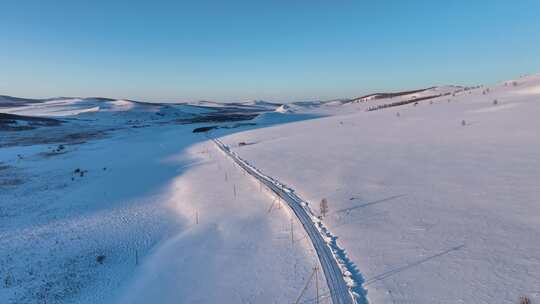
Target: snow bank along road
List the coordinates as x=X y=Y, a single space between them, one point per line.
x=339 y=290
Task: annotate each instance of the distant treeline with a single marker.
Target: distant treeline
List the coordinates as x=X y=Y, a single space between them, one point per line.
x=416 y=100
x=404 y=102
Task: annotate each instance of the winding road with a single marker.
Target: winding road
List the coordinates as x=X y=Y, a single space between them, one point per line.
x=339 y=291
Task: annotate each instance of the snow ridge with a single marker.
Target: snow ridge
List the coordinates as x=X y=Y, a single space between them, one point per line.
x=352 y=276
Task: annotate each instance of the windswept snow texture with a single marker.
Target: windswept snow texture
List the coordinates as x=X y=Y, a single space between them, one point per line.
x=233 y=249
x=436 y=202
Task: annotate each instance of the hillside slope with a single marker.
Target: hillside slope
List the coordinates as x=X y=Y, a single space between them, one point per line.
x=435 y=202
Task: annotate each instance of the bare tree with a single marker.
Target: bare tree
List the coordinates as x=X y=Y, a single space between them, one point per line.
x=324 y=207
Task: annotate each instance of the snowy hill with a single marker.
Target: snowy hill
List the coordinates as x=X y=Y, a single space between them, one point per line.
x=61 y=107
x=438 y=204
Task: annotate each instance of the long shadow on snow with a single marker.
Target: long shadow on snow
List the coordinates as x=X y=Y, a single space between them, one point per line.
x=397 y=270
x=348 y=210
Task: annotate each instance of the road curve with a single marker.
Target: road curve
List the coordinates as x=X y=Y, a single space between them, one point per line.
x=339 y=291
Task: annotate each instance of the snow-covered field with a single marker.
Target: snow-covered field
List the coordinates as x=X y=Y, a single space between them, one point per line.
x=116 y=201
x=145 y=212
x=429 y=209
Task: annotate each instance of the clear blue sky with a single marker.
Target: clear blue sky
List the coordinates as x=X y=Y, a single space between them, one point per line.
x=273 y=49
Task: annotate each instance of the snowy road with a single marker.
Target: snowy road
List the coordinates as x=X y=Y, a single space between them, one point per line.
x=339 y=291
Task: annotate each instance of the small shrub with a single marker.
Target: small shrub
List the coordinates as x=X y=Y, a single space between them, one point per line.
x=100 y=259
x=324 y=208
x=463 y=123
x=8 y=281
x=524 y=300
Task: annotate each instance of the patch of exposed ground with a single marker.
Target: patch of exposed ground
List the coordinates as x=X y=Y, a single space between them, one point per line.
x=9 y=177
x=12 y=122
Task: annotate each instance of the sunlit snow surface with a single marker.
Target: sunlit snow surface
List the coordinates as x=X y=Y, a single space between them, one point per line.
x=435 y=202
